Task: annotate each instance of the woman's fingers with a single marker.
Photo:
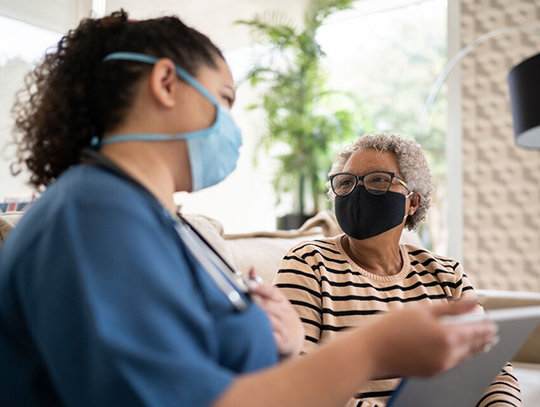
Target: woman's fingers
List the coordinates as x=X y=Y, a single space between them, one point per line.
x=253 y=276
x=280 y=341
x=471 y=337
x=277 y=325
x=423 y=344
x=288 y=345
x=280 y=309
x=474 y=337
x=286 y=325
x=283 y=312
x=281 y=331
x=265 y=291
x=257 y=299
x=465 y=339
x=454 y=308
x=278 y=314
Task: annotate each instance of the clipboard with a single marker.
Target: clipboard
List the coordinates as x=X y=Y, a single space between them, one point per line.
x=465 y=384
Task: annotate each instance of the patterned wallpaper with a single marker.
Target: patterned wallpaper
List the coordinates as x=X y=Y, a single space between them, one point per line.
x=501 y=181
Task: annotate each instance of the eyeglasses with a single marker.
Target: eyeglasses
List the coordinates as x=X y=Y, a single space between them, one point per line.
x=376 y=182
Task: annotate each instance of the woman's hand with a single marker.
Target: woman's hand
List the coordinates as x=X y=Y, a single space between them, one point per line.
x=415 y=342
x=288 y=329
x=411 y=342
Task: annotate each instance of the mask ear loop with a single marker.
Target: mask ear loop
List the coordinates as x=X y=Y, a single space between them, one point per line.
x=406 y=197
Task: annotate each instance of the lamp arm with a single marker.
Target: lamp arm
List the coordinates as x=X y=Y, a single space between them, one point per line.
x=449 y=67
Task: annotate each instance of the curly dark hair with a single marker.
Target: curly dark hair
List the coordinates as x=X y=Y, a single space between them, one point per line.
x=72 y=96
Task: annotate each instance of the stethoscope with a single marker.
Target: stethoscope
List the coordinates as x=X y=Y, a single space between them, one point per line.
x=226 y=278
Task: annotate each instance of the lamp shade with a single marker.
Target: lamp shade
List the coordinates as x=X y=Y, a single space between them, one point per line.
x=524 y=82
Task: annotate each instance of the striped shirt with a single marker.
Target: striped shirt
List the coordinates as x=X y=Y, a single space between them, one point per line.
x=331 y=293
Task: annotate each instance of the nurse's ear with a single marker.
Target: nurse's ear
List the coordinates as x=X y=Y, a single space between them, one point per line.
x=164 y=83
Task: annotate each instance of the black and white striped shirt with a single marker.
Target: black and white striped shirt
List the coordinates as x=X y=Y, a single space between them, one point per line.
x=331 y=293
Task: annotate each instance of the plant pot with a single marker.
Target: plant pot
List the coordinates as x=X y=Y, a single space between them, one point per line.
x=292 y=221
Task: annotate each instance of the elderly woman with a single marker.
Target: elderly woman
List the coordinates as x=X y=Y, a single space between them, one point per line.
x=381 y=184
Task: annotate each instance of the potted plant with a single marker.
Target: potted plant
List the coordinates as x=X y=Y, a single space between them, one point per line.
x=305 y=118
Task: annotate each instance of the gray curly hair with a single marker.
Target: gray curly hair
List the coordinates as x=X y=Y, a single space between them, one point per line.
x=412 y=163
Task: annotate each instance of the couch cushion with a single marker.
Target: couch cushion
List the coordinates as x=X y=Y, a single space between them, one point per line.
x=264 y=254
x=8 y=220
x=212 y=231
x=494 y=299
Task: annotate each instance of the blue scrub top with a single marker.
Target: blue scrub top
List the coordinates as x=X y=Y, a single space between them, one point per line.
x=101 y=304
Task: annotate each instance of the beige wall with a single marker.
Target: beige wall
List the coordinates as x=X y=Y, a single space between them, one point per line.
x=501 y=182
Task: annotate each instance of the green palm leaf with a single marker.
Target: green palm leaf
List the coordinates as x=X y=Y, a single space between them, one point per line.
x=301 y=111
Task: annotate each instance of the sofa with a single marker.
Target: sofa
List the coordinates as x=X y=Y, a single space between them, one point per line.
x=263 y=252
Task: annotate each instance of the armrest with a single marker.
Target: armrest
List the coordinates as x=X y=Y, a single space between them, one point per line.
x=493 y=299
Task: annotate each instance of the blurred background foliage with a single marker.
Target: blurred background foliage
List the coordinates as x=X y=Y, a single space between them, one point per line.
x=306 y=121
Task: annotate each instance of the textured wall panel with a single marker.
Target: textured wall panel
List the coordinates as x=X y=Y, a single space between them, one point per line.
x=501 y=181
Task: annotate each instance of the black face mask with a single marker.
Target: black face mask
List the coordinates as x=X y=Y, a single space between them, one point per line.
x=362 y=215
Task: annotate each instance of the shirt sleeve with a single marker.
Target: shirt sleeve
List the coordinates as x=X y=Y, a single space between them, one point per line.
x=301 y=285
x=139 y=332
x=504 y=391
x=462 y=287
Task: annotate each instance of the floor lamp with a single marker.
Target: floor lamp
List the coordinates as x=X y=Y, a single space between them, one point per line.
x=522 y=79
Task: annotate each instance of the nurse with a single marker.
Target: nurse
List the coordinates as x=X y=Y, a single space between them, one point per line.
x=109 y=298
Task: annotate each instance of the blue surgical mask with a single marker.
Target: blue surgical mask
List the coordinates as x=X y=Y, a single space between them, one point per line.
x=213 y=152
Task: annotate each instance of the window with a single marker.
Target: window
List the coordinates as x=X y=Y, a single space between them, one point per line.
x=24 y=46
x=388 y=54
